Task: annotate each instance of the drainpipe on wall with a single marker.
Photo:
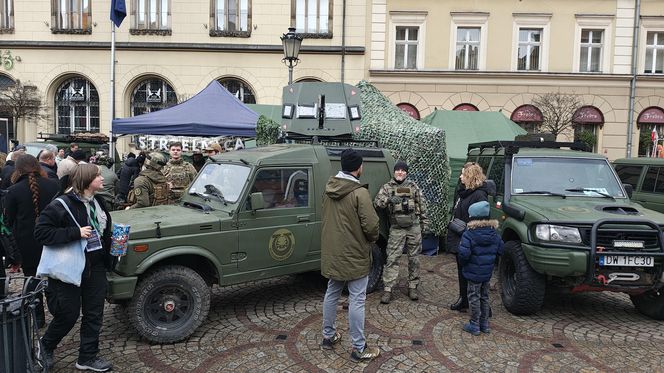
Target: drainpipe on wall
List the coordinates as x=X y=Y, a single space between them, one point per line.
x=632 y=83
x=343 y=42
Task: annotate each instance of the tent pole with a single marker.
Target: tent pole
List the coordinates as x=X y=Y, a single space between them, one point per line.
x=111 y=146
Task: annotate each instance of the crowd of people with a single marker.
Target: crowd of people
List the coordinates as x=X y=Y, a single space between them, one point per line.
x=34 y=192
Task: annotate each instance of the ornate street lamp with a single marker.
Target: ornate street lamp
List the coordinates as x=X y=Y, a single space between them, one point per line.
x=291 y=42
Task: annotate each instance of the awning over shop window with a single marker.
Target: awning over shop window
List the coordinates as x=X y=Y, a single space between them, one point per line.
x=527 y=114
x=465 y=107
x=410 y=109
x=588 y=115
x=651 y=115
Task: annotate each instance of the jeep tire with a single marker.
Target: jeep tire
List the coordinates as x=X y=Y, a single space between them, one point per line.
x=169 y=304
x=522 y=289
x=650 y=303
x=377 y=264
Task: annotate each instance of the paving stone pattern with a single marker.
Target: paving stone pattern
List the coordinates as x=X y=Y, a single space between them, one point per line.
x=275 y=326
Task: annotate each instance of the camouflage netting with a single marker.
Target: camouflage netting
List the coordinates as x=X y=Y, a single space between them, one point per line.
x=267 y=131
x=420 y=145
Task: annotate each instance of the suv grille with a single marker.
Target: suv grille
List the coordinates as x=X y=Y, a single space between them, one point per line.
x=605 y=237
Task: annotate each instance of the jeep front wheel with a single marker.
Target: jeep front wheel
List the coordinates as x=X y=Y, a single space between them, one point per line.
x=650 y=303
x=522 y=289
x=169 y=304
x=376 y=274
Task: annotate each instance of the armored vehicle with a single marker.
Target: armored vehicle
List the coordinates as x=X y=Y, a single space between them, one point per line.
x=249 y=215
x=567 y=221
x=646 y=176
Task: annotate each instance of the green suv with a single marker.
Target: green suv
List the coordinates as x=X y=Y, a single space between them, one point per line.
x=567 y=221
x=646 y=177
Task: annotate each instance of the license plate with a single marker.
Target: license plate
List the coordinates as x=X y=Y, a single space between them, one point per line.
x=627 y=261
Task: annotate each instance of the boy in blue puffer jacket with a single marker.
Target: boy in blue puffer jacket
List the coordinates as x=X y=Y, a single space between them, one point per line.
x=479 y=246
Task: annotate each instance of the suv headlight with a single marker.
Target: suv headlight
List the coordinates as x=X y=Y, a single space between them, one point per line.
x=557 y=233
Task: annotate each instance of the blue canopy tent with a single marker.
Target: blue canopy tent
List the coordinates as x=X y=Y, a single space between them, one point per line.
x=212 y=112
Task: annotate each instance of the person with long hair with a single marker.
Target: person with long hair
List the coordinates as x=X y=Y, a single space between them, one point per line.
x=26 y=198
x=472 y=189
x=66 y=301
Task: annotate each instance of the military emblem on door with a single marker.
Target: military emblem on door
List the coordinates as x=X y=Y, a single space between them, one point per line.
x=281 y=245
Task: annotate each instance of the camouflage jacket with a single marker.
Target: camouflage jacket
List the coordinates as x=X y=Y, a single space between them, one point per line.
x=179 y=174
x=412 y=203
x=150 y=189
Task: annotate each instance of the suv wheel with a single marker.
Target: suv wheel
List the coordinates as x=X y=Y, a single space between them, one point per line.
x=169 y=304
x=523 y=289
x=650 y=303
x=376 y=274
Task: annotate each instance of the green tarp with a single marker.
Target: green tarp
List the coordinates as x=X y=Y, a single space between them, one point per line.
x=467 y=127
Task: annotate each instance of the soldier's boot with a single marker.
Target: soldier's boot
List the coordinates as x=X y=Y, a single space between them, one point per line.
x=412 y=294
x=386 y=298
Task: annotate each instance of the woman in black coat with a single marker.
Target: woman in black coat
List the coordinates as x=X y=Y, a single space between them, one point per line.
x=26 y=198
x=65 y=301
x=473 y=189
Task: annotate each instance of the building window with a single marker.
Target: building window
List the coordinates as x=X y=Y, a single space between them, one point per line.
x=466 y=107
x=151 y=95
x=151 y=17
x=239 y=89
x=530 y=43
x=410 y=110
x=528 y=117
x=467 y=48
x=77 y=107
x=405 y=51
x=6 y=15
x=592 y=42
x=312 y=16
x=71 y=16
x=231 y=18
x=654 y=53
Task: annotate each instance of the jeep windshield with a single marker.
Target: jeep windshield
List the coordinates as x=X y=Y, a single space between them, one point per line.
x=220 y=182
x=557 y=176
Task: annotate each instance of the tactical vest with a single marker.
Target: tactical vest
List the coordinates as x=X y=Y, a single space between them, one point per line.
x=158 y=194
x=403 y=214
x=178 y=176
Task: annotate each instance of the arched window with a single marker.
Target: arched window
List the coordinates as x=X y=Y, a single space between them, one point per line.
x=7 y=132
x=77 y=107
x=651 y=118
x=585 y=121
x=410 y=110
x=239 y=89
x=528 y=117
x=465 y=107
x=152 y=94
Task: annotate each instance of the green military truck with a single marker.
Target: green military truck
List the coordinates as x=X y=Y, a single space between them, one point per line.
x=646 y=177
x=567 y=221
x=249 y=215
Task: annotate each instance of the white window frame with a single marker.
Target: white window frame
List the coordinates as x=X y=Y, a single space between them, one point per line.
x=72 y=15
x=145 y=5
x=470 y=20
x=301 y=23
x=531 y=21
x=242 y=18
x=6 y=14
x=594 y=22
x=407 y=19
x=648 y=24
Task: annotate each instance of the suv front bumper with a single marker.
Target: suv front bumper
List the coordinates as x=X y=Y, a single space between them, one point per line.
x=556 y=262
x=120 y=287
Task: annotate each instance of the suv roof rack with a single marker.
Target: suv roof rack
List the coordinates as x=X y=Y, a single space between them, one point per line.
x=329 y=141
x=97 y=138
x=512 y=147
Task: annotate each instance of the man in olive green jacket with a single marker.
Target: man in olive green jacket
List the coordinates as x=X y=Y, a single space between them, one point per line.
x=350 y=225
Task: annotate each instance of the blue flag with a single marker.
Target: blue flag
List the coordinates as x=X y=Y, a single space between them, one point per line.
x=118 y=11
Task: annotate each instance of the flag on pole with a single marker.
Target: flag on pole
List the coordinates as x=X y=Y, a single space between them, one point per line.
x=118 y=11
x=654 y=136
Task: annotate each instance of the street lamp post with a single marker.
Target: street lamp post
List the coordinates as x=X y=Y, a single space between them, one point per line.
x=291 y=43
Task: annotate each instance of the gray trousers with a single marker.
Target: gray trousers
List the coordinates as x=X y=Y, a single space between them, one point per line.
x=478 y=300
x=357 y=295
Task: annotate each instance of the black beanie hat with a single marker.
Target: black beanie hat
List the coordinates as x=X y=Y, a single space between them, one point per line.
x=78 y=154
x=350 y=160
x=401 y=165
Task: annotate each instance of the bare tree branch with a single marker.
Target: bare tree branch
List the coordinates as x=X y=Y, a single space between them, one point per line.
x=22 y=101
x=558 y=111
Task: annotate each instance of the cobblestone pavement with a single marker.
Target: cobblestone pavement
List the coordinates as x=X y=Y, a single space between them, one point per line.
x=275 y=325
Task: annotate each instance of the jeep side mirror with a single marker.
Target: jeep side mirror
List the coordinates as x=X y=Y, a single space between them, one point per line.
x=257 y=201
x=628 y=189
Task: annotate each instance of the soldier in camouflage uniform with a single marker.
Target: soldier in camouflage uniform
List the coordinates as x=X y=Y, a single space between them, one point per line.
x=150 y=187
x=179 y=173
x=402 y=199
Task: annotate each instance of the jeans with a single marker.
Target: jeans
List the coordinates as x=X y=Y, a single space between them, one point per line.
x=66 y=301
x=478 y=300
x=357 y=295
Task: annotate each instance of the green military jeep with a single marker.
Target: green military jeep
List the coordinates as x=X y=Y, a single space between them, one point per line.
x=646 y=176
x=567 y=221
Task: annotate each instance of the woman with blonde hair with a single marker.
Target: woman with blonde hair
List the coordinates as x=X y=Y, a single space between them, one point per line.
x=65 y=301
x=472 y=188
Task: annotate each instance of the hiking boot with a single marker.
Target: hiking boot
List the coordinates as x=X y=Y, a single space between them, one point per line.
x=472 y=329
x=44 y=356
x=460 y=305
x=412 y=294
x=96 y=364
x=328 y=343
x=484 y=328
x=368 y=354
x=386 y=298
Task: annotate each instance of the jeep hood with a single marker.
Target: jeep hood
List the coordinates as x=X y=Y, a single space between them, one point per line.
x=174 y=220
x=582 y=209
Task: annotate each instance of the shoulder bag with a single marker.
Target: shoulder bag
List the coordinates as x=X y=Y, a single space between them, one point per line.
x=457 y=226
x=64 y=262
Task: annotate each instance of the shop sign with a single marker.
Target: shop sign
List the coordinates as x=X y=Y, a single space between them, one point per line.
x=7 y=60
x=527 y=113
x=158 y=142
x=588 y=115
x=651 y=115
x=465 y=107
